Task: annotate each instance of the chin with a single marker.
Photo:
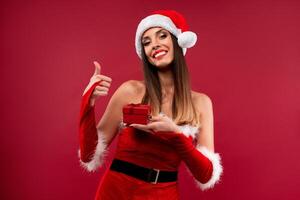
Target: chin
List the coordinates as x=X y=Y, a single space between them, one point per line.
x=161 y=64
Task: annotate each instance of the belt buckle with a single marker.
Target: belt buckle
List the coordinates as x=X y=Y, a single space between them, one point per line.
x=156 y=177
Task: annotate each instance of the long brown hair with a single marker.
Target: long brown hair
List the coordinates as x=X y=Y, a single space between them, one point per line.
x=183 y=109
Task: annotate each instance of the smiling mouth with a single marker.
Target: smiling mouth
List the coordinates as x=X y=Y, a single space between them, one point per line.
x=159 y=54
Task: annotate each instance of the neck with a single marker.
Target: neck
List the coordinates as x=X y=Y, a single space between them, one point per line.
x=166 y=81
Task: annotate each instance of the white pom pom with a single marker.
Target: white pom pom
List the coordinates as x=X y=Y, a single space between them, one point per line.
x=187 y=39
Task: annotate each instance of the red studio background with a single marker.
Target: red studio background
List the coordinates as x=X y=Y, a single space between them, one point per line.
x=247 y=60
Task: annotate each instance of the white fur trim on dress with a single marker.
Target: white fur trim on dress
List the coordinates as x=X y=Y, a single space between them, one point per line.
x=99 y=155
x=217 y=167
x=189 y=130
x=186 y=129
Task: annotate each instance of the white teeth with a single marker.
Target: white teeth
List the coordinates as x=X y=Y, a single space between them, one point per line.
x=159 y=54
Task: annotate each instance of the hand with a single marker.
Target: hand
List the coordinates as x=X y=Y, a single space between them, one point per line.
x=160 y=123
x=103 y=87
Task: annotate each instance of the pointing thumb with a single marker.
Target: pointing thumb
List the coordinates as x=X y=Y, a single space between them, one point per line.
x=97 y=68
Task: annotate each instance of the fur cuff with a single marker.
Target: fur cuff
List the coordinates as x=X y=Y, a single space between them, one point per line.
x=217 y=168
x=98 y=157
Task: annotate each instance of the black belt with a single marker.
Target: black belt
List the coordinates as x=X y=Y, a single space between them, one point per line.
x=149 y=175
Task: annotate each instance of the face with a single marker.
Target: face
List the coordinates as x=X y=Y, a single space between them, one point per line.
x=158 y=46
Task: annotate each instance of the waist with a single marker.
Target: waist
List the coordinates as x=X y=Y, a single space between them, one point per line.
x=149 y=175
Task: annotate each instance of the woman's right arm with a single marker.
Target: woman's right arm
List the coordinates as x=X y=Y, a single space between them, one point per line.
x=94 y=139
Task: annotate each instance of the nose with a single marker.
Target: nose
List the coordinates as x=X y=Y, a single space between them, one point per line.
x=155 y=47
x=155 y=44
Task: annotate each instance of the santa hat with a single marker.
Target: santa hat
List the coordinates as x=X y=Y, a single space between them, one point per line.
x=170 y=20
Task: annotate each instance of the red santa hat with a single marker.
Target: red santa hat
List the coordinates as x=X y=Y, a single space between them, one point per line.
x=170 y=20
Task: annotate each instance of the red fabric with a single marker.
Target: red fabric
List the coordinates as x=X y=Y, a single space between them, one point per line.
x=136 y=113
x=146 y=150
x=87 y=127
x=176 y=18
x=200 y=166
x=118 y=186
x=152 y=151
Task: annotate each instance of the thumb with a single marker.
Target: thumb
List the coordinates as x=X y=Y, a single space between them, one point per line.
x=97 y=68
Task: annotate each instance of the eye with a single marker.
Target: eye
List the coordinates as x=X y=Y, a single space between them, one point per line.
x=145 y=43
x=163 y=35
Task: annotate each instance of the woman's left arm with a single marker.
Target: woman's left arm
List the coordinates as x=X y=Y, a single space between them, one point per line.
x=206 y=131
x=205 y=145
x=201 y=160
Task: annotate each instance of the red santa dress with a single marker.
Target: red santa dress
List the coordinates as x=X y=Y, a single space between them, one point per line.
x=146 y=150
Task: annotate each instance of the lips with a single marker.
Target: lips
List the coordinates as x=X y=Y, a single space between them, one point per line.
x=159 y=53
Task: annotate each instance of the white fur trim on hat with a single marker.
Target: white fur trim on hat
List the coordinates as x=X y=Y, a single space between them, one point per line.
x=187 y=40
x=217 y=167
x=98 y=157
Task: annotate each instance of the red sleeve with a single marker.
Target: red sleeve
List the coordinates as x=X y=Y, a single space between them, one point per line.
x=204 y=165
x=91 y=142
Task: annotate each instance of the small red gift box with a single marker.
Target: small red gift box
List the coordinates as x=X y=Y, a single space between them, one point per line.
x=136 y=114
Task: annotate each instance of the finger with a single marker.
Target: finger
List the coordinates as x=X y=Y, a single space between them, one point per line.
x=133 y=125
x=100 y=88
x=102 y=77
x=156 y=118
x=97 y=68
x=139 y=126
x=104 y=84
x=153 y=126
x=100 y=93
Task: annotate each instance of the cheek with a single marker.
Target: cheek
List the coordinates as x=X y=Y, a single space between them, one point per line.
x=171 y=53
x=171 y=47
x=147 y=52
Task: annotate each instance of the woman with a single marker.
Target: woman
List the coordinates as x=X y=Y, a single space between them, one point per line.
x=148 y=156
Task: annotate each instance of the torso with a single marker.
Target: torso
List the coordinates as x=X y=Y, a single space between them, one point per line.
x=146 y=149
x=139 y=91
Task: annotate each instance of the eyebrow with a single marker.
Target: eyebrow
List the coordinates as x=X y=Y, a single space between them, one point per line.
x=156 y=33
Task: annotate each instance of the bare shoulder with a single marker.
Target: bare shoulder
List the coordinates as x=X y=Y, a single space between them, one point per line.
x=132 y=86
x=201 y=100
x=132 y=90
